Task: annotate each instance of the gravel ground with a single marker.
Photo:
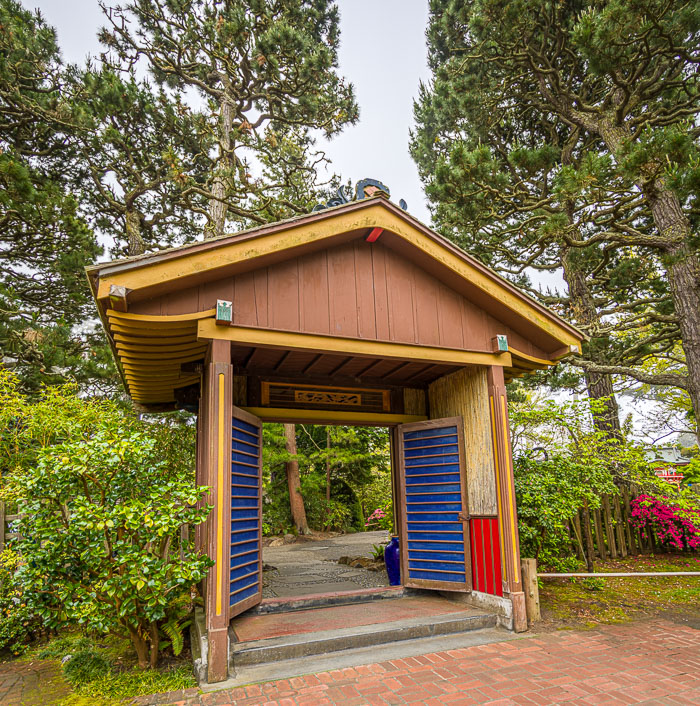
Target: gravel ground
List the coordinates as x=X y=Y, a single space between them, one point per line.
x=308 y=567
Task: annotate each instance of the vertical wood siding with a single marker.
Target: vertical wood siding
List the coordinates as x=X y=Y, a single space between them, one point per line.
x=356 y=289
x=246 y=506
x=465 y=393
x=486 y=556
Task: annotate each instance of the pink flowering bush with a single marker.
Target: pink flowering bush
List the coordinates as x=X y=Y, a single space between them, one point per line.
x=675 y=522
x=381 y=518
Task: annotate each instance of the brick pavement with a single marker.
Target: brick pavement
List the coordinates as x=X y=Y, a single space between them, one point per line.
x=37 y=683
x=648 y=663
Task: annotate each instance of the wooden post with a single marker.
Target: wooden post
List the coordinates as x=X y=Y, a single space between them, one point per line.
x=215 y=438
x=619 y=528
x=600 y=539
x=609 y=529
x=505 y=486
x=576 y=520
x=531 y=590
x=627 y=514
x=590 y=551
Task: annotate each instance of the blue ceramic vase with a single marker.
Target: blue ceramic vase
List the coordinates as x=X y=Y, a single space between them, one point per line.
x=391 y=559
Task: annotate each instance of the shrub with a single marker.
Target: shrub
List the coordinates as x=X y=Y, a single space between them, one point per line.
x=676 y=522
x=18 y=622
x=382 y=518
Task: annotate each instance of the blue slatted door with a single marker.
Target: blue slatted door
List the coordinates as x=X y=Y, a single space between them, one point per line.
x=246 y=512
x=435 y=519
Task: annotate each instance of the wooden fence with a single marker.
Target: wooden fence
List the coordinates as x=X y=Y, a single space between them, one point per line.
x=5 y=521
x=608 y=533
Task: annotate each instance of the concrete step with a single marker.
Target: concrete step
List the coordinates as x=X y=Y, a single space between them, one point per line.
x=322 y=600
x=324 y=642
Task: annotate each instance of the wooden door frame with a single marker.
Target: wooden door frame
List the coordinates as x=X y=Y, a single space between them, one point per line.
x=435 y=584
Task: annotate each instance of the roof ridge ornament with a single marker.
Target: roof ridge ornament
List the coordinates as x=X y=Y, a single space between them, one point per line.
x=364 y=189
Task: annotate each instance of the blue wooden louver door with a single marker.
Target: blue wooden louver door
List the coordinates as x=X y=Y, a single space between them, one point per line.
x=246 y=512
x=434 y=513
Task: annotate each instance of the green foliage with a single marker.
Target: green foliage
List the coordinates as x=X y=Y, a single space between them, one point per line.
x=548 y=494
x=85 y=666
x=559 y=138
x=19 y=624
x=378 y=552
x=359 y=469
x=103 y=496
x=44 y=240
x=115 y=686
x=593 y=584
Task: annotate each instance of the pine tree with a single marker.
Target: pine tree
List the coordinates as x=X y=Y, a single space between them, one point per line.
x=260 y=68
x=44 y=241
x=139 y=154
x=594 y=99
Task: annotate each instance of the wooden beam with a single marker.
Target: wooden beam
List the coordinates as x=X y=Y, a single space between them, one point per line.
x=374 y=235
x=322 y=416
x=267 y=338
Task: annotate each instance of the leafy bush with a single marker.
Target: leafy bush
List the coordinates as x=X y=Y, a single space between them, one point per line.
x=19 y=624
x=382 y=518
x=103 y=496
x=59 y=647
x=549 y=493
x=676 y=522
x=86 y=666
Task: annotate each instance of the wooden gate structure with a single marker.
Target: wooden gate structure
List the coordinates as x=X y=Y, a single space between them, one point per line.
x=356 y=314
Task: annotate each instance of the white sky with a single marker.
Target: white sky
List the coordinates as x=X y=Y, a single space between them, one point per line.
x=382 y=53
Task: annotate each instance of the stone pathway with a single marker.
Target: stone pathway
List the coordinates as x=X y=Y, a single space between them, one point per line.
x=644 y=663
x=309 y=567
x=31 y=683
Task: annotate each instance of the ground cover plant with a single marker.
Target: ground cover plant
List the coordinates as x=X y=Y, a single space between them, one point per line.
x=575 y=603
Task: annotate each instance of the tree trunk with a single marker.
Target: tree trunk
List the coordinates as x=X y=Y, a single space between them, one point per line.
x=599 y=386
x=134 y=240
x=680 y=258
x=155 y=645
x=296 y=501
x=217 y=205
x=140 y=647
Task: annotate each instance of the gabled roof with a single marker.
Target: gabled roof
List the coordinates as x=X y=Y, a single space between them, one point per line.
x=158 y=274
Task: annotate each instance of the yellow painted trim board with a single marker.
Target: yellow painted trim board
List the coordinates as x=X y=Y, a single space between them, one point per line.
x=340 y=417
x=371 y=217
x=220 y=494
x=208 y=329
x=511 y=502
x=531 y=358
x=153 y=318
x=501 y=509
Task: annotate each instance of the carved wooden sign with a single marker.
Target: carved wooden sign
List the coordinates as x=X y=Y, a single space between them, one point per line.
x=318 y=397
x=299 y=395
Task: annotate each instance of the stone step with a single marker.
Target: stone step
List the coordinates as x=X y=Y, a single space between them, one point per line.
x=324 y=642
x=322 y=600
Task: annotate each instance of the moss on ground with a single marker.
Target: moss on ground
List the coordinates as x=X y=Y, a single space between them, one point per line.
x=123 y=680
x=578 y=603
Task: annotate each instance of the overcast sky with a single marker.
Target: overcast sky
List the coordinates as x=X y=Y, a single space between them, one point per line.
x=382 y=53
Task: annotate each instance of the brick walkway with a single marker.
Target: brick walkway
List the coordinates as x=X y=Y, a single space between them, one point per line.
x=648 y=663
x=31 y=684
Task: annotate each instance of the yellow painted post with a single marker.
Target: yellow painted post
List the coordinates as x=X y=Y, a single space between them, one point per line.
x=505 y=484
x=216 y=406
